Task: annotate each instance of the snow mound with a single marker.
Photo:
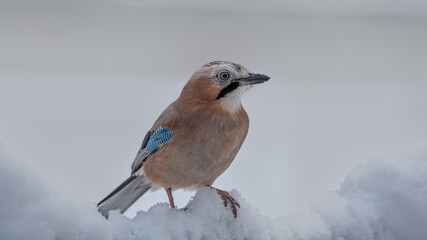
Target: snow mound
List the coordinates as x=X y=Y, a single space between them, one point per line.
x=384 y=199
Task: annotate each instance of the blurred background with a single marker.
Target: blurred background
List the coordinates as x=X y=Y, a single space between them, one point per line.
x=81 y=82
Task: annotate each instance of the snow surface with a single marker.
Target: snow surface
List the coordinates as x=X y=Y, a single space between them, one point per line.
x=383 y=199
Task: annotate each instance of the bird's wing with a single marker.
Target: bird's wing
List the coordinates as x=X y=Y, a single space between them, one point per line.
x=153 y=140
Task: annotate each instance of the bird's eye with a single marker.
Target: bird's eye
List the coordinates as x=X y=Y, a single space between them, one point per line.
x=224 y=75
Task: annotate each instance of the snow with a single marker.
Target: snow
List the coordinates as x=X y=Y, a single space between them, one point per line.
x=382 y=199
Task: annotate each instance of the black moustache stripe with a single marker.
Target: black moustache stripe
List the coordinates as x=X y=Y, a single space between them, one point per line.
x=227 y=90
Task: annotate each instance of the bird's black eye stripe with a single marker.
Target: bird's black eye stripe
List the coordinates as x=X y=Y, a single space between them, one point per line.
x=233 y=86
x=224 y=75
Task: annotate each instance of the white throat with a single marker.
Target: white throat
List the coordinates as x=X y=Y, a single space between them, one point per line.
x=233 y=100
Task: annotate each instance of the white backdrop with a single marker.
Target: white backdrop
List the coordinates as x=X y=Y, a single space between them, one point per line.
x=82 y=81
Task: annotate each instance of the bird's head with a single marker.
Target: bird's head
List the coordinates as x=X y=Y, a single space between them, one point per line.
x=221 y=84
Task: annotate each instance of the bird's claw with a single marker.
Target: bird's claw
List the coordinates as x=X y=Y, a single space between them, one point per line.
x=227 y=198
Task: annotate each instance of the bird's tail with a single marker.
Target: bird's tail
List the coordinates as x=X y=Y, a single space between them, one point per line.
x=125 y=194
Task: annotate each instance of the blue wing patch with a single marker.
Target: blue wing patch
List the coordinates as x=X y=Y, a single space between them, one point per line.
x=157 y=138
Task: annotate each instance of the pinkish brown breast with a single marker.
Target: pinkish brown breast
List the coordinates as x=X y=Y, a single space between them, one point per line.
x=204 y=143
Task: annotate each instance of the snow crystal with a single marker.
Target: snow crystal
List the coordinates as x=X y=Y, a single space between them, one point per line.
x=383 y=199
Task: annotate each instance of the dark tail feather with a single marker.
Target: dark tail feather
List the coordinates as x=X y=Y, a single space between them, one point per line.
x=124 y=195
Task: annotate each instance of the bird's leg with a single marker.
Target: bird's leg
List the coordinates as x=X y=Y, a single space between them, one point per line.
x=227 y=198
x=169 y=192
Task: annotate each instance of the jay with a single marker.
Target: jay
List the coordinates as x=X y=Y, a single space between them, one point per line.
x=194 y=140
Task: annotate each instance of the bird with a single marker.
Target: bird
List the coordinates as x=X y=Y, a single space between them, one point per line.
x=194 y=140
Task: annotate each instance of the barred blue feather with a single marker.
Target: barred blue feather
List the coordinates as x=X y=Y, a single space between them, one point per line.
x=159 y=137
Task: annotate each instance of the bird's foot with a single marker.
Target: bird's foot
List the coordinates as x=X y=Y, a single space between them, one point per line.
x=228 y=199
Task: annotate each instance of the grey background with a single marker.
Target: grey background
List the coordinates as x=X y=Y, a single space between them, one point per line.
x=82 y=81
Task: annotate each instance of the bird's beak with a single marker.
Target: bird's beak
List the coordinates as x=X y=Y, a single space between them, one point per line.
x=254 y=78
